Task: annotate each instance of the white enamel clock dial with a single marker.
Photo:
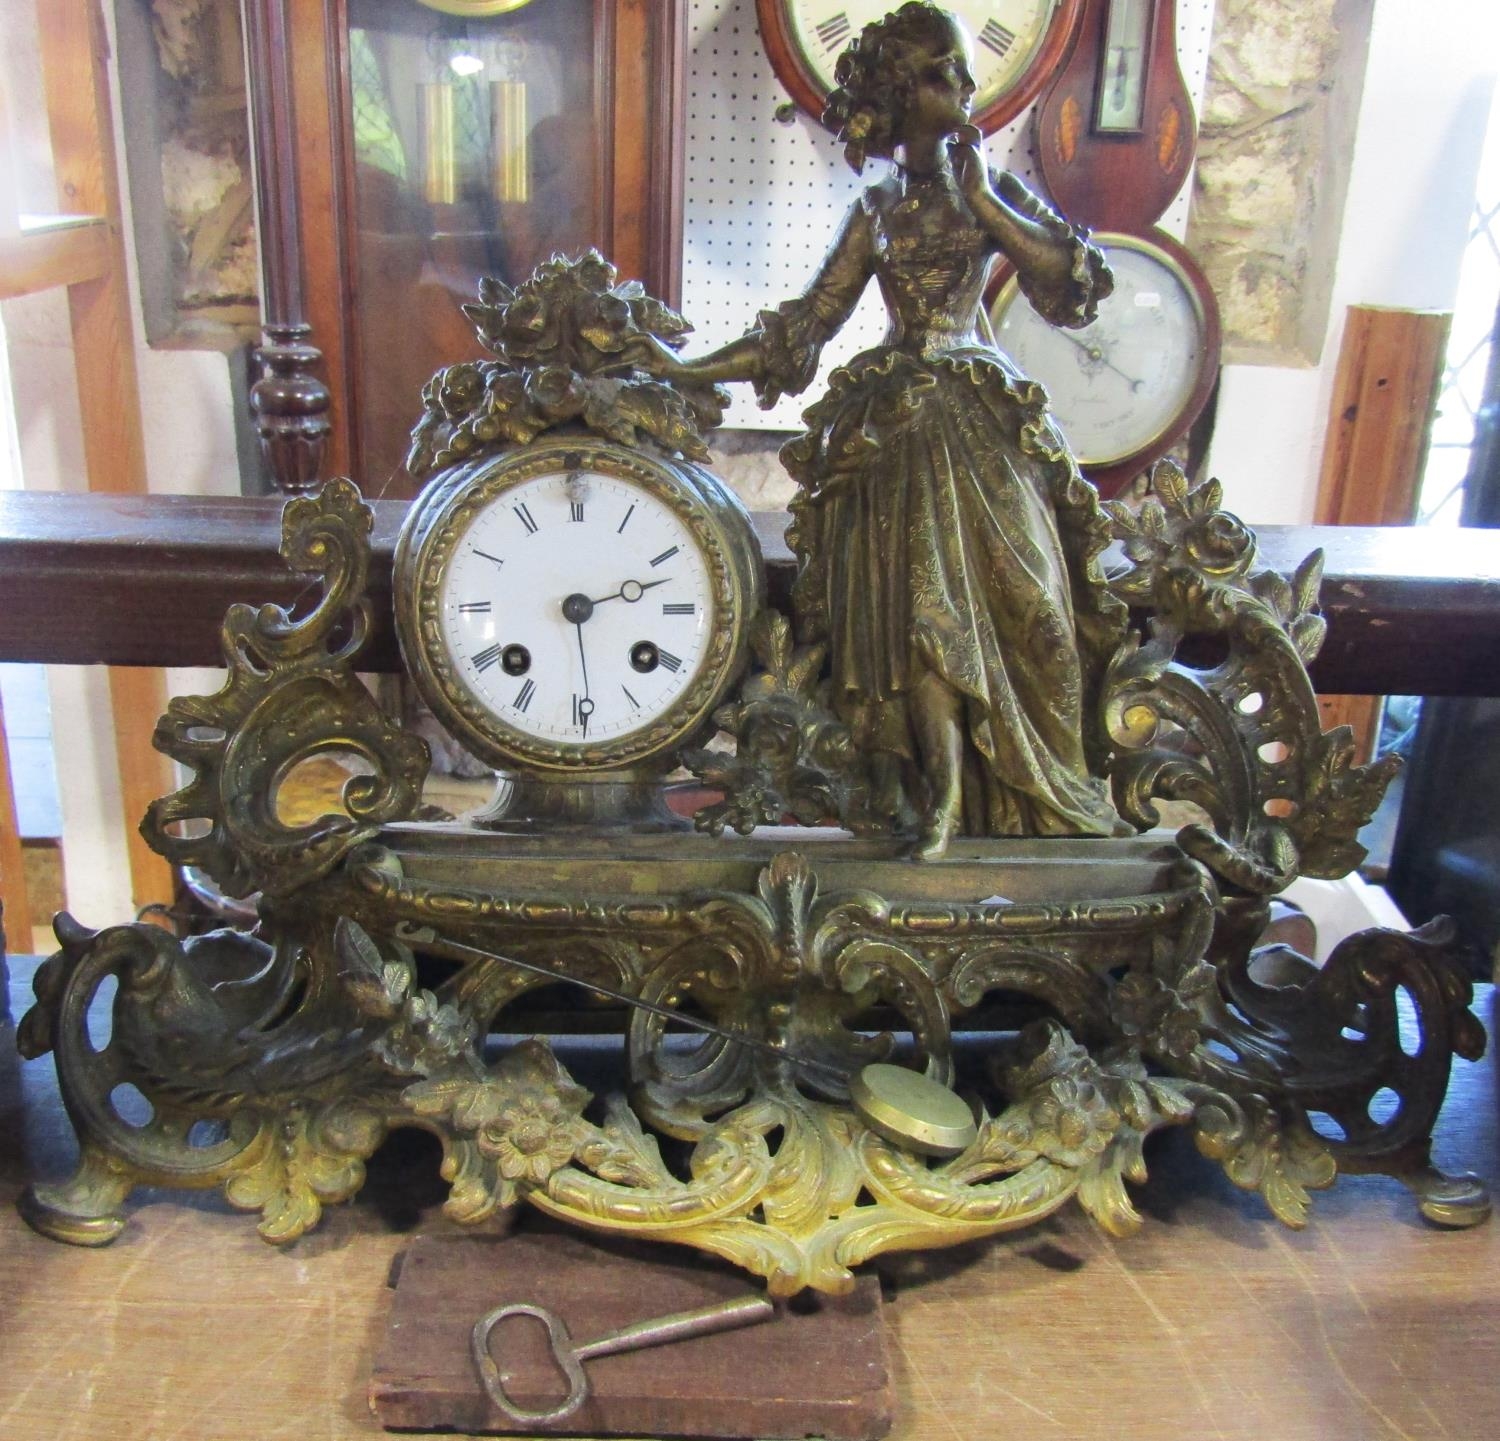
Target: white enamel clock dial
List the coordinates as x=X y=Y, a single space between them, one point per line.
x=1131 y=379
x=1006 y=36
x=576 y=607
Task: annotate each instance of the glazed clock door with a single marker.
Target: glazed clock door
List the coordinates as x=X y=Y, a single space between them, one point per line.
x=438 y=141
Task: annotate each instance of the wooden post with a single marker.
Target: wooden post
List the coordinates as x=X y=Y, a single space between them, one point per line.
x=16 y=919
x=1379 y=426
x=71 y=33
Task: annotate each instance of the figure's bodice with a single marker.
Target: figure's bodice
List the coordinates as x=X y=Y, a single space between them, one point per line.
x=924 y=245
x=931 y=259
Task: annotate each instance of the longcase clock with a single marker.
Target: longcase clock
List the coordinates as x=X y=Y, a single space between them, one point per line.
x=411 y=146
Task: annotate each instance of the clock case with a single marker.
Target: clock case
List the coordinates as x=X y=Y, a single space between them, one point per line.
x=1113 y=986
x=615 y=783
x=778 y=34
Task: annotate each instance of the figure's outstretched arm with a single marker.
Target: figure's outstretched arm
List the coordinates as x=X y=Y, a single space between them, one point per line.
x=742 y=359
x=780 y=355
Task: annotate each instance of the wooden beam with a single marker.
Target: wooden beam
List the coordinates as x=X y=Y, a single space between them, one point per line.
x=73 y=44
x=46 y=257
x=1379 y=427
x=1380 y=422
x=146 y=581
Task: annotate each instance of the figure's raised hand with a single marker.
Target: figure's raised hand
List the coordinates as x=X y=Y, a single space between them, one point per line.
x=966 y=151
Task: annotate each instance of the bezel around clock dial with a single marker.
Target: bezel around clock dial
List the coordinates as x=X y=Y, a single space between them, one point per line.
x=1152 y=370
x=1032 y=34
x=442 y=650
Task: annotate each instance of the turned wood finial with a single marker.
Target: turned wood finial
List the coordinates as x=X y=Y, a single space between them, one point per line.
x=290 y=404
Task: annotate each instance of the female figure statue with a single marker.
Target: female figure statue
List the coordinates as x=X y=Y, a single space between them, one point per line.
x=948 y=546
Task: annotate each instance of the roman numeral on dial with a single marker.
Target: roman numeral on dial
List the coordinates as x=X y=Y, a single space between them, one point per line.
x=833 y=31
x=474 y=607
x=522 y=701
x=671 y=662
x=524 y=516
x=996 y=37
x=679 y=607
x=486 y=658
x=575 y=510
x=665 y=556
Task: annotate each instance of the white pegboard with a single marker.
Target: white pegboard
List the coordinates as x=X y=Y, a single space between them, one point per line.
x=763 y=200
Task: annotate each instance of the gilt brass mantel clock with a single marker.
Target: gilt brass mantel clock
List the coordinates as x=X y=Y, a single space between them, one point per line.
x=941 y=777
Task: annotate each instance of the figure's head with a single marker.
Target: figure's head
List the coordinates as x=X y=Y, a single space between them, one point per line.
x=911 y=68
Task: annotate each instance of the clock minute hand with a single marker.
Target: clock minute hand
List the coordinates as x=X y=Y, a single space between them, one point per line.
x=586 y=705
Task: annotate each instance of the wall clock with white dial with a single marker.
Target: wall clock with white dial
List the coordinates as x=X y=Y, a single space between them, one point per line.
x=1018 y=45
x=1127 y=387
x=576 y=608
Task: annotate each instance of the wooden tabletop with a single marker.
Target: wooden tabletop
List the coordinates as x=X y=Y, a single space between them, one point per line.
x=1213 y=1322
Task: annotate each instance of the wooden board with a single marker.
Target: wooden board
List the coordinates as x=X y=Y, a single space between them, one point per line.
x=146 y=581
x=74 y=49
x=15 y=909
x=820 y=1370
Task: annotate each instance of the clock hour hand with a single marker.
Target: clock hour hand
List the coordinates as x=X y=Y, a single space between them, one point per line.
x=632 y=590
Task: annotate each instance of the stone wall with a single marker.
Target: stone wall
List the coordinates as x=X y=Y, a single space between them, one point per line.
x=188 y=147
x=1275 y=136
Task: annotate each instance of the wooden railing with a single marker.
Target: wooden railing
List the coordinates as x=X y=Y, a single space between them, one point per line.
x=144 y=581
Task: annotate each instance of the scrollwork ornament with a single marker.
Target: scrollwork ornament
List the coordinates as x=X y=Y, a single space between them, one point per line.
x=1240 y=739
x=291 y=693
x=791 y=756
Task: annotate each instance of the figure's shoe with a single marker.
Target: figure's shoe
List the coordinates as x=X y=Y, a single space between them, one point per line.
x=935 y=839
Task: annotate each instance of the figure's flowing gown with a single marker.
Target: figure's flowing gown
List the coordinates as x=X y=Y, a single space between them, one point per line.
x=942 y=522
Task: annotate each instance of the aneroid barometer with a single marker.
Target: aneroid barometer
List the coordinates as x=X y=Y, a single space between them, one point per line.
x=1128 y=386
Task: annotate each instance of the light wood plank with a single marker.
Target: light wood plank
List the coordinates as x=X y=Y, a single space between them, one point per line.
x=1380 y=423
x=45 y=259
x=16 y=920
x=72 y=39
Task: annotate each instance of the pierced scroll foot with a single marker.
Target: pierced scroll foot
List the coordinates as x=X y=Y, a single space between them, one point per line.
x=1453 y=1202
x=81 y=1211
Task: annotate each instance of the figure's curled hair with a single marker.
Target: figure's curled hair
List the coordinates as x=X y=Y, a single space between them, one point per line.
x=875 y=77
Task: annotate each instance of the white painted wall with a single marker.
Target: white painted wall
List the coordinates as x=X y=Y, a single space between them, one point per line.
x=1429 y=83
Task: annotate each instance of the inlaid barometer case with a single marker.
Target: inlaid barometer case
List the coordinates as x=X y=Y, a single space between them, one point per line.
x=930 y=797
